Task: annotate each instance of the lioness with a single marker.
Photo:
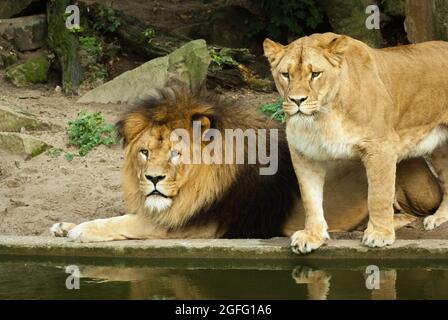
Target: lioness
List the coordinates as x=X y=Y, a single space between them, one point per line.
x=345 y=100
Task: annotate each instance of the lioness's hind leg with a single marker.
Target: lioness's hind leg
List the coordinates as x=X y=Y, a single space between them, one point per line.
x=439 y=160
x=61 y=229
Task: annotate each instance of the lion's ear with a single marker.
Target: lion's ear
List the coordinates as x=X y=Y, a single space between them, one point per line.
x=335 y=50
x=207 y=121
x=272 y=50
x=130 y=126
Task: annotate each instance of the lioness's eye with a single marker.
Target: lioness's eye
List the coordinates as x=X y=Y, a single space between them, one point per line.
x=286 y=75
x=144 y=152
x=174 y=154
x=315 y=75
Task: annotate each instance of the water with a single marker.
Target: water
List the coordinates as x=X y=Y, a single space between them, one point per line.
x=41 y=278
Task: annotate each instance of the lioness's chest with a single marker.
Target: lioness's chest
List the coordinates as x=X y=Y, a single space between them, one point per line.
x=321 y=140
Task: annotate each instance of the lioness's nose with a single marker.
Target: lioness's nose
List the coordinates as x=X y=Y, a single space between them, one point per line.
x=154 y=179
x=298 y=100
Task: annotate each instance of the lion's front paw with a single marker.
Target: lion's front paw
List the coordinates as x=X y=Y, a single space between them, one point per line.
x=304 y=241
x=61 y=229
x=434 y=221
x=88 y=232
x=377 y=239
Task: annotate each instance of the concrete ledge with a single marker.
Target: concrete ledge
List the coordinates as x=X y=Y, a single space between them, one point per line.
x=277 y=248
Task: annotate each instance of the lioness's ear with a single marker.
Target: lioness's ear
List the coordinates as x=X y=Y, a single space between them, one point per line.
x=130 y=126
x=272 y=50
x=335 y=50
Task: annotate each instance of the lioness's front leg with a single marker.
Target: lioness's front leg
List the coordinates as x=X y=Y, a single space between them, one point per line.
x=311 y=177
x=380 y=168
x=129 y=226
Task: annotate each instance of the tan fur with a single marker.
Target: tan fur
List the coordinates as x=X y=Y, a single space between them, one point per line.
x=345 y=100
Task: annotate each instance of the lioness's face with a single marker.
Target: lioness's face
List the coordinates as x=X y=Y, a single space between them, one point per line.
x=159 y=168
x=306 y=72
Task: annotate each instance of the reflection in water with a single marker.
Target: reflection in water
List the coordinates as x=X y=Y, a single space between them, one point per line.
x=270 y=280
x=317 y=282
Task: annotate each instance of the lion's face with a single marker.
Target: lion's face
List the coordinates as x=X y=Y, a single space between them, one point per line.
x=158 y=162
x=159 y=168
x=307 y=71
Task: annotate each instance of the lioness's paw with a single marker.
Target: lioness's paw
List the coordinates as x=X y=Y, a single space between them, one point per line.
x=61 y=229
x=304 y=241
x=88 y=232
x=377 y=239
x=434 y=221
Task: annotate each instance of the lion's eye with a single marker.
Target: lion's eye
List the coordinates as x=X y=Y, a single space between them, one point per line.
x=285 y=75
x=174 y=154
x=315 y=75
x=144 y=152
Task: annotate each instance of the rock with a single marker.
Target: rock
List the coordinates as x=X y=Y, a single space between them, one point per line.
x=426 y=20
x=8 y=56
x=26 y=33
x=440 y=20
x=13 y=120
x=228 y=26
x=349 y=17
x=33 y=71
x=418 y=21
x=395 y=7
x=9 y=8
x=188 y=64
x=21 y=144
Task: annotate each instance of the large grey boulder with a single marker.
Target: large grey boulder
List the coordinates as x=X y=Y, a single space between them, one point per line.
x=25 y=33
x=426 y=20
x=349 y=17
x=21 y=144
x=188 y=64
x=13 y=120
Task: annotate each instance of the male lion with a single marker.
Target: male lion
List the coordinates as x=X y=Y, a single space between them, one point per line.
x=170 y=198
x=345 y=100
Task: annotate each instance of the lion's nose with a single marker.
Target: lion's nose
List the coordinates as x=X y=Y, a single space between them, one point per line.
x=154 y=179
x=298 y=100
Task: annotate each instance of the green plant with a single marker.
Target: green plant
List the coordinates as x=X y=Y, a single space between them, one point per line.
x=69 y=156
x=149 y=34
x=92 y=45
x=220 y=58
x=88 y=131
x=107 y=21
x=54 y=152
x=274 y=110
x=296 y=17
